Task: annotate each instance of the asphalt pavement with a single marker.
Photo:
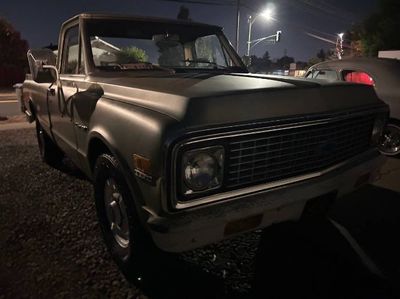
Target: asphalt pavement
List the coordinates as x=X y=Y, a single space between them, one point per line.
x=9 y=105
x=352 y=253
x=50 y=244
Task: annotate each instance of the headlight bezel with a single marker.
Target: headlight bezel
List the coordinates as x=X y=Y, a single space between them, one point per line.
x=181 y=187
x=192 y=157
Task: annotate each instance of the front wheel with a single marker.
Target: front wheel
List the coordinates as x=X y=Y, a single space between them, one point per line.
x=390 y=141
x=125 y=239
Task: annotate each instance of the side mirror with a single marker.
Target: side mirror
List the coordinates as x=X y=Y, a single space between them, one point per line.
x=42 y=63
x=85 y=101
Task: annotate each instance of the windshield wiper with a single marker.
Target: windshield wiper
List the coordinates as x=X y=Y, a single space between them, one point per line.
x=205 y=61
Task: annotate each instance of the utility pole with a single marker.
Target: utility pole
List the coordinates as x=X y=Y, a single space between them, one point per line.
x=237 y=25
x=249 y=36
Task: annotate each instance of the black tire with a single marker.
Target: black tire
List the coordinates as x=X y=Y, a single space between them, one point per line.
x=133 y=258
x=49 y=151
x=393 y=130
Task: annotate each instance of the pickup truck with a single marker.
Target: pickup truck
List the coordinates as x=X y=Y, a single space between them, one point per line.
x=185 y=147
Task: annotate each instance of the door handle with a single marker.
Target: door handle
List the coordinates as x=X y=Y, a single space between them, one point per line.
x=74 y=85
x=51 y=91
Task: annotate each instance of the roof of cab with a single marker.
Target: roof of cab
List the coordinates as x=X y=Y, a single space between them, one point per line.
x=109 y=16
x=370 y=63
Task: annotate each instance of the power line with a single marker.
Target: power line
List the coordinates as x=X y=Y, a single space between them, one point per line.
x=217 y=3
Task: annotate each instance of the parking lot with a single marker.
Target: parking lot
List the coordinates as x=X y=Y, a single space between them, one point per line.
x=51 y=244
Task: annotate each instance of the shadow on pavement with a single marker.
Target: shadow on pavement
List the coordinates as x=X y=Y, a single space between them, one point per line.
x=307 y=259
x=69 y=168
x=311 y=259
x=372 y=216
x=174 y=278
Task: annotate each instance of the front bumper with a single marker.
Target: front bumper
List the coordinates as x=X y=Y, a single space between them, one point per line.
x=211 y=223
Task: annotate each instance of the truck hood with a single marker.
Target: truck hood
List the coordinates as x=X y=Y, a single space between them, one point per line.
x=214 y=99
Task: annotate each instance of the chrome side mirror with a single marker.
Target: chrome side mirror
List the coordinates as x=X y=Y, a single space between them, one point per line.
x=42 y=66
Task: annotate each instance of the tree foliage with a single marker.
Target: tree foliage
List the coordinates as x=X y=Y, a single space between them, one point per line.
x=260 y=64
x=12 y=48
x=132 y=55
x=284 y=62
x=265 y=65
x=378 y=32
x=184 y=13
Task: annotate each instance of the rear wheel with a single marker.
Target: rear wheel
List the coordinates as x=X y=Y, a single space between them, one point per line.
x=390 y=142
x=49 y=151
x=127 y=242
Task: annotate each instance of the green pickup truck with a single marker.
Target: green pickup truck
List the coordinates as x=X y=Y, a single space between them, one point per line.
x=184 y=147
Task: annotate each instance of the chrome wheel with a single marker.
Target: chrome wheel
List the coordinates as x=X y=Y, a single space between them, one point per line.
x=116 y=214
x=390 y=140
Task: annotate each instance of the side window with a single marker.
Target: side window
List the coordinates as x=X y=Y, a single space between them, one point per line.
x=71 y=51
x=208 y=48
x=358 y=77
x=310 y=74
x=328 y=75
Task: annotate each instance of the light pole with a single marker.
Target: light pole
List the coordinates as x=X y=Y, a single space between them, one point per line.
x=237 y=24
x=266 y=14
x=339 y=45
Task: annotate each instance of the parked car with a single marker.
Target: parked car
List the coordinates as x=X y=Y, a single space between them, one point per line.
x=183 y=145
x=383 y=74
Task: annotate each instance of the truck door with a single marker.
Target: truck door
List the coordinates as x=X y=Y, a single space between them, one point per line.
x=71 y=78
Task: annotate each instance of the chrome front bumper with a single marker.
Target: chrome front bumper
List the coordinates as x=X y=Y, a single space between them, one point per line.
x=199 y=226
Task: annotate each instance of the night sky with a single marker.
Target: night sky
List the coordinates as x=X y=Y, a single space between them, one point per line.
x=39 y=21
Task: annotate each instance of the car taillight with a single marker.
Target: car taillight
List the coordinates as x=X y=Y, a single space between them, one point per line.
x=359 y=77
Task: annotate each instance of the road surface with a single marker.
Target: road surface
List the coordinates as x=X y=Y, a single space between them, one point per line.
x=8 y=104
x=50 y=244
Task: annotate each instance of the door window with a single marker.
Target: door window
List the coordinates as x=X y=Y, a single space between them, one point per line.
x=71 y=51
x=328 y=75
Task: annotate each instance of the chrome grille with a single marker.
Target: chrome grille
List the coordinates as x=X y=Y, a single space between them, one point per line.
x=284 y=153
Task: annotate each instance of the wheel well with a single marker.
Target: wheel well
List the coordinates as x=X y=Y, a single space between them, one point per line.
x=96 y=148
x=394 y=121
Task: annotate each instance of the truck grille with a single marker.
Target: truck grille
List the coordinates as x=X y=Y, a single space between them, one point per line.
x=284 y=153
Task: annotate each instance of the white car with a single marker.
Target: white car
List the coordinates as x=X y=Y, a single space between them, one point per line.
x=383 y=74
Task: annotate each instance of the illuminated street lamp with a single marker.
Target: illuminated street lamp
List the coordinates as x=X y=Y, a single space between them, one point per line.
x=339 y=45
x=267 y=14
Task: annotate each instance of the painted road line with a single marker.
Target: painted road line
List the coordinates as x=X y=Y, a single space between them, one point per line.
x=366 y=260
x=8 y=101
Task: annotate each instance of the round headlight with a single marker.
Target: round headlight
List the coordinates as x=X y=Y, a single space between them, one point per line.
x=200 y=172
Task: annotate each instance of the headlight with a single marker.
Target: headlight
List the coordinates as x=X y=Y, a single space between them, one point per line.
x=202 y=169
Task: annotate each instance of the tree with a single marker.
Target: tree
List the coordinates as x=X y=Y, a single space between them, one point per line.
x=12 y=48
x=321 y=55
x=183 y=13
x=266 y=57
x=262 y=64
x=132 y=55
x=379 y=31
x=284 y=62
x=313 y=60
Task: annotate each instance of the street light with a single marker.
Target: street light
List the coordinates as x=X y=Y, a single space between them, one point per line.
x=339 y=45
x=267 y=14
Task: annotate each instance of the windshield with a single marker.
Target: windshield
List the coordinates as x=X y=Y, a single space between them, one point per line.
x=121 y=46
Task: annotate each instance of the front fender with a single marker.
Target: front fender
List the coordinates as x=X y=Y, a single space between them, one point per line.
x=125 y=130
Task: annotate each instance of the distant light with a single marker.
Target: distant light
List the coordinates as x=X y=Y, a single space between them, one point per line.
x=267 y=14
x=341 y=35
